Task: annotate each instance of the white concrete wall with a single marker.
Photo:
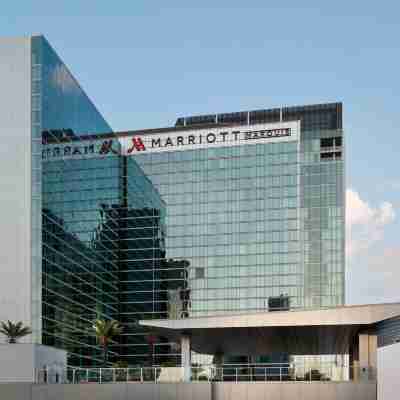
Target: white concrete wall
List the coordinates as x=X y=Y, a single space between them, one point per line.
x=294 y=391
x=16 y=363
x=15 y=179
x=389 y=372
x=194 y=391
x=19 y=362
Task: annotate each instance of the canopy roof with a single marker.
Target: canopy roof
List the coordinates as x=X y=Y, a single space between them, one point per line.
x=324 y=331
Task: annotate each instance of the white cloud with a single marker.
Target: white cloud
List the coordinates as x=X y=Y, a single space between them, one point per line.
x=365 y=224
x=62 y=79
x=373 y=272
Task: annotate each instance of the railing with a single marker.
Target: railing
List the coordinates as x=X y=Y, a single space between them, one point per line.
x=209 y=373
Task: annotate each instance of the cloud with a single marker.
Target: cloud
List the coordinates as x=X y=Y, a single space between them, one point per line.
x=62 y=79
x=365 y=224
x=373 y=272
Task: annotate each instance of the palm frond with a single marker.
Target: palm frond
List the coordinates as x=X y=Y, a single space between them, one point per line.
x=106 y=329
x=14 y=330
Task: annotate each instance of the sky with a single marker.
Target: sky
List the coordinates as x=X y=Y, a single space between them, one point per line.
x=144 y=63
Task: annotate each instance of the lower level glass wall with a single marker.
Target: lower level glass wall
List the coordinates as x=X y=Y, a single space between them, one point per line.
x=80 y=252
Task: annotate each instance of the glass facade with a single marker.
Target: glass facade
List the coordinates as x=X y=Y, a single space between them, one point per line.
x=233 y=214
x=257 y=226
x=98 y=227
x=175 y=234
x=144 y=274
x=71 y=280
x=80 y=254
x=261 y=226
x=102 y=233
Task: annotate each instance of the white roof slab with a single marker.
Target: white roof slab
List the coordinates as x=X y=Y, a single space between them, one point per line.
x=339 y=316
x=306 y=332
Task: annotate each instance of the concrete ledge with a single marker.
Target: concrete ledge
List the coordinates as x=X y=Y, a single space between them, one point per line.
x=193 y=391
x=19 y=362
x=16 y=391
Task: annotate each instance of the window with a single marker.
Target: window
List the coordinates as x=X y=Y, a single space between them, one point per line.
x=327 y=156
x=327 y=142
x=199 y=273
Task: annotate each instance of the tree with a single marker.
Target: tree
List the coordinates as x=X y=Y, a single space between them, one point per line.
x=14 y=331
x=105 y=331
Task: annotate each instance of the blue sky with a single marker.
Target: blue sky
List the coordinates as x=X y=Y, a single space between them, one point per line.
x=145 y=63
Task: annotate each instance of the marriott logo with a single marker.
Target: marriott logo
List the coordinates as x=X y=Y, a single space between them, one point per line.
x=201 y=139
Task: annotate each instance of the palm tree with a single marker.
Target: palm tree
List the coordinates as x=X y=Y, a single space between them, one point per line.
x=105 y=331
x=14 y=331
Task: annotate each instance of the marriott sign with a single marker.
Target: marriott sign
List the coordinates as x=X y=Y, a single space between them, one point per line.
x=192 y=139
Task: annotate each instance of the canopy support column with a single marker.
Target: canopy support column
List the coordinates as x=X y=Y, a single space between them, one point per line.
x=186 y=357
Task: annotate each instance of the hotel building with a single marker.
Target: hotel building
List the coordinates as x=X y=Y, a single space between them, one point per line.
x=219 y=214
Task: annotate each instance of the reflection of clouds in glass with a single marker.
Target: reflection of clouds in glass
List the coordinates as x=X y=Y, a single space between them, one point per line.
x=62 y=79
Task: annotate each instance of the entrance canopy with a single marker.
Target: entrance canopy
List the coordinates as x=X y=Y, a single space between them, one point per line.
x=326 y=331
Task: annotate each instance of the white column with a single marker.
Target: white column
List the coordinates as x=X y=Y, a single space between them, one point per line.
x=15 y=183
x=186 y=357
x=367 y=354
